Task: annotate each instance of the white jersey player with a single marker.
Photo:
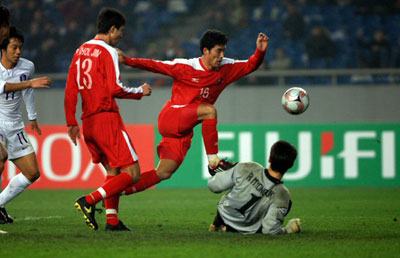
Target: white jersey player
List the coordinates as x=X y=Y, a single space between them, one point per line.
x=257 y=201
x=15 y=86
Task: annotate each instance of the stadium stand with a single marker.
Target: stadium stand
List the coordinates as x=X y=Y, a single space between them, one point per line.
x=53 y=28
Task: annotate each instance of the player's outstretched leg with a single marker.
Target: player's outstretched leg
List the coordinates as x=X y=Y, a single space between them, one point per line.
x=119 y=227
x=4 y=217
x=222 y=165
x=88 y=212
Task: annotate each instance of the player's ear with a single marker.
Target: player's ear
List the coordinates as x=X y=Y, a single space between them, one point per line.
x=113 y=29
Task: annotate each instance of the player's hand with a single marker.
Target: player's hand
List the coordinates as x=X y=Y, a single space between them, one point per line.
x=74 y=133
x=262 y=41
x=41 y=82
x=121 y=55
x=35 y=127
x=293 y=226
x=146 y=89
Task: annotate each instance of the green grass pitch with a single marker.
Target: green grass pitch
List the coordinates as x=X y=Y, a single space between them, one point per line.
x=337 y=222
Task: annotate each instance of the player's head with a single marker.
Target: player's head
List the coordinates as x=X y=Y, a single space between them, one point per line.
x=212 y=46
x=4 y=23
x=11 y=48
x=282 y=156
x=111 y=22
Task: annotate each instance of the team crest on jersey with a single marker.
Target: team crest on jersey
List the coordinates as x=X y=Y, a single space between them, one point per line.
x=284 y=211
x=220 y=80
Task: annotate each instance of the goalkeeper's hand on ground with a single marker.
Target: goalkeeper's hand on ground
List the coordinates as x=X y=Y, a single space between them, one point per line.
x=293 y=226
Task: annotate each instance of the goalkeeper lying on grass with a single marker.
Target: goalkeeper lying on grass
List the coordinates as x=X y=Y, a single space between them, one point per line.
x=257 y=201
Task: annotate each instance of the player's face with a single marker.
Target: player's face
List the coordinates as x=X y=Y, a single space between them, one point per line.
x=116 y=35
x=14 y=51
x=215 y=55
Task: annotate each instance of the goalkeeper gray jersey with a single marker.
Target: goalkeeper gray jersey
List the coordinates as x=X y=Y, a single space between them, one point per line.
x=255 y=201
x=11 y=102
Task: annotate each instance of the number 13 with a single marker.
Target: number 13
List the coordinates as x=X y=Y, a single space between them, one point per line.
x=86 y=77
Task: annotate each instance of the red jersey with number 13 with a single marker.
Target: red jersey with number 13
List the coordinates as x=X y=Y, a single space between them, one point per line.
x=94 y=73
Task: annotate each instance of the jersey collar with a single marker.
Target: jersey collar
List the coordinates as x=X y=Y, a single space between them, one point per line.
x=271 y=178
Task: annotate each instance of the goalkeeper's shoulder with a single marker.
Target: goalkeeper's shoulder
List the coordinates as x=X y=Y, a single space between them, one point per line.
x=281 y=195
x=248 y=167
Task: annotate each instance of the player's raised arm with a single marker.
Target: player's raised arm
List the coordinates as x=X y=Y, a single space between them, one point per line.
x=262 y=42
x=41 y=82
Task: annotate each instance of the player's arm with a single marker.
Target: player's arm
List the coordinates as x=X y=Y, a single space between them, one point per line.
x=28 y=95
x=117 y=88
x=29 y=99
x=241 y=69
x=163 y=67
x=273 y=220
x=41 y=82
x=123 y=92
x=70 y=101
x=222 y=181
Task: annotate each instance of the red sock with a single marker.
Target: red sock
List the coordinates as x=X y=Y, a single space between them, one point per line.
x=111 y=205
x=210 y=135
x=147 y=179
x=112 y=219
x=113 y=186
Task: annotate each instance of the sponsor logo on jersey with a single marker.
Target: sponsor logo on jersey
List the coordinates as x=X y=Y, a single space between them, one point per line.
x=195 y=80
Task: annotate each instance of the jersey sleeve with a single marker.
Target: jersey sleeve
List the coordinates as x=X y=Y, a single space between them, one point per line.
x=169 y=68
x=71 y=96
x=239 y=69
x=2 y=86
x=118 y=89
x=29 y=96
x=272 y=222
x=29 y=99
x=222 y=181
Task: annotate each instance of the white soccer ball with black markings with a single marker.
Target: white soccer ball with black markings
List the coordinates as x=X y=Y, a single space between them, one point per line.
x=295 y=100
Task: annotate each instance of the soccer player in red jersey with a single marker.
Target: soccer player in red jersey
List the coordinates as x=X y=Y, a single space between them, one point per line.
x=197 y=84
x=94 y=73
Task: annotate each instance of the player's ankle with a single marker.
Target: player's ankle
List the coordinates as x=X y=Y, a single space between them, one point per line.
x=213 y=161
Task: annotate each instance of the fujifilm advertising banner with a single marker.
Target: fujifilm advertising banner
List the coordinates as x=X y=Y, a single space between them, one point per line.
x=328 y=154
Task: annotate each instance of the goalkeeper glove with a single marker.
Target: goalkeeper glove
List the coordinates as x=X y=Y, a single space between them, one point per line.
x=293 y=226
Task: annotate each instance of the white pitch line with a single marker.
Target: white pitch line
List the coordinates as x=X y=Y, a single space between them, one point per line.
x=39 y=218
x=3 y=232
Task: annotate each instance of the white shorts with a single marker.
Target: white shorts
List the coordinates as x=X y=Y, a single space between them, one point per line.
x=14 y=138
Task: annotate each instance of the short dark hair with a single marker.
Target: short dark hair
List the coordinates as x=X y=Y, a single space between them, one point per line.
x=4 y=16
x=212 y=38
x=14 y=33
x=107 y=18
x=282 y=156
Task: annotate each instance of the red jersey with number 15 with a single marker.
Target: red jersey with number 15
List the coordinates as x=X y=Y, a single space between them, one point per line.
x=94 y=73
x=193 y=83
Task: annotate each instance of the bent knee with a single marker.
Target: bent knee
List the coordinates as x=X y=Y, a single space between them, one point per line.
x=162 y=175
x=136 y=177
x=207 y=111
x=33 y=176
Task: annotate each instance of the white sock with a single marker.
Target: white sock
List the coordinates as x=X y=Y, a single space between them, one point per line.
x=16 y=185
x=212 y=159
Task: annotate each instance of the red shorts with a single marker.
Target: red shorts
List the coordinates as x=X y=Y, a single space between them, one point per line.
x=107 y=140
x=175 y=124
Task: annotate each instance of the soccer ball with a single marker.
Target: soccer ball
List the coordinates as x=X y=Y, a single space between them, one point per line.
x=295 y=100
